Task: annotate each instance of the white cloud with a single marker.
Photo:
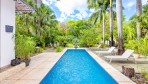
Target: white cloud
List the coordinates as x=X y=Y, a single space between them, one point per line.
x=45 y=2
x=92 y=10
x=48 y=2
x=144 y=2
x=79 y=16
x=128 y=4
x=68 y=7
x=61 y=19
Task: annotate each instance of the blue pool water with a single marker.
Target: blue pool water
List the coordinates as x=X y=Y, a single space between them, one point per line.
x=76 y=66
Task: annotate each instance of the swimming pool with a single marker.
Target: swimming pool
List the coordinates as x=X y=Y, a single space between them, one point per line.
x=76 y=66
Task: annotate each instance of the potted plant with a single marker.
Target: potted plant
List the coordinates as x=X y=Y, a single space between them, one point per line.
x=16 y=61
x=25 y=47
x=27 y=61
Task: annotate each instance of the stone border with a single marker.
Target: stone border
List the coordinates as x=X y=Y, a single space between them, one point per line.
x=12 y=71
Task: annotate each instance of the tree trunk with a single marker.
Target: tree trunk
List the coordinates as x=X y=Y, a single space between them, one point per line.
x=119 y=25
x=139 y=12
x=36 y=31
x=111 y=24
x=103 y=28
x=28 y=30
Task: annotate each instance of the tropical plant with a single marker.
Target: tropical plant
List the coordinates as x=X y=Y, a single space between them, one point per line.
x=134 y=45
x=129 y=32
x=76 y=26
x=139 y=46
x=25 y=47
x=59 y=49
x=143 y=46
x=101 y=7
x=90 y=37
x=75 y=42
x=144 y=72
x=69 y=45
x=39 y=50
x=143 y=21
x=34 y=29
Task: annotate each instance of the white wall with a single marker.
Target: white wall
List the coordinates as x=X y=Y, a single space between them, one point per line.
x=7 y=17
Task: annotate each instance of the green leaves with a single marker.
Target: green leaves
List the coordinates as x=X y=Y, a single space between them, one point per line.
x=34 y=29
x=25 y=46
x=139 y=46
x=94 y=17
x=90 y=37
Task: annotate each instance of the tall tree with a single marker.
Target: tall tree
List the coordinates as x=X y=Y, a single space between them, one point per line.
x=111 y=24
x=139 y=12
x=101 y=7
x=119 y=25
x=144 y=20
x=44 y=18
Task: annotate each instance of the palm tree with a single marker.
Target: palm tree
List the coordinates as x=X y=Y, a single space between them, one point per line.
x=139 y=12
x=119 y=24
x=25 y=19
x=111 y=24
x=43 y=16
x=101 y=7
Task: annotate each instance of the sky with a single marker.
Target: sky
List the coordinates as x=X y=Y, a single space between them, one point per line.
x=77 y=9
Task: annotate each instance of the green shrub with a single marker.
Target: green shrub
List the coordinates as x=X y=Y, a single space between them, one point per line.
x=69 y=45
x=146 y=76
x=134 y=45
x=143 y=47
x=139 y=46
x=144 y=72
x=24 y=46
x=47 y=47
x=89 y=37
x=95 y=45
x=39 y=50
x=59 y=49
x=43 y=45
x=40 y=41
x=103 y=45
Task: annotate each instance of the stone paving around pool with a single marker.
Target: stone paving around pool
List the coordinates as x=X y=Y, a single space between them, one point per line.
x=42 y=63
x=38 y=68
